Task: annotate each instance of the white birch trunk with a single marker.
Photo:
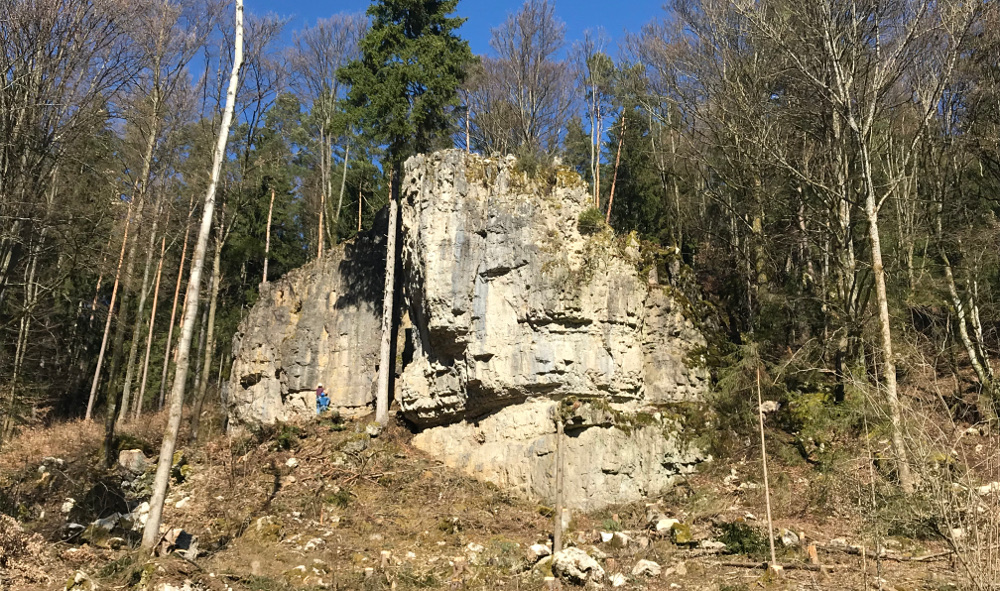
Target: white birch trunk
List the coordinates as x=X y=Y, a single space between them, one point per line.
x=888 y=363
x=151 y=533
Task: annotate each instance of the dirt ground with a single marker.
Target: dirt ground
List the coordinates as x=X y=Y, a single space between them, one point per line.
x=325 y=506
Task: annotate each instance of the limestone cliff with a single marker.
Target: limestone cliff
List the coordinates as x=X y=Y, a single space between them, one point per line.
x=512 y=310
x=317 y=324
x=509 y=301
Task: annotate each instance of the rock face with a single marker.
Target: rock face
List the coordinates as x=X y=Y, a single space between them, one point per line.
x=509 y=301
x=604 y=463
x=512 y=311
x=317 y=324
x=513 y=308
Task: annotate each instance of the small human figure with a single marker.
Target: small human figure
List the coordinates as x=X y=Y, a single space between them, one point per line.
x=322 y=400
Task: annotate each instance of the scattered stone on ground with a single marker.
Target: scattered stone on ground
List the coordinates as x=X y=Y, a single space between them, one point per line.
x=646 y=568
x=133 y=460
x=575 y=565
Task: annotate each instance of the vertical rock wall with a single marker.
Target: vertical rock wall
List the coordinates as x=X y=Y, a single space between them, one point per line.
x=318 y=324
x=512 y=311
x=509 y=301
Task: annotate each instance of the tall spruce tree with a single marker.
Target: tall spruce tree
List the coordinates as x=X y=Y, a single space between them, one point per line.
x=404 y=90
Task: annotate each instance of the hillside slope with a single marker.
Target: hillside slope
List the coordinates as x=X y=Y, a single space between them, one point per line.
x=324 y=505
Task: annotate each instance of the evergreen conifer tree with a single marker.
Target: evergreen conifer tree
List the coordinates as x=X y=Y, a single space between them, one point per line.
x=404 y=91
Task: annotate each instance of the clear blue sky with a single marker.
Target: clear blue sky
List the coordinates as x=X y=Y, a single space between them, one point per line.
x=615 y=16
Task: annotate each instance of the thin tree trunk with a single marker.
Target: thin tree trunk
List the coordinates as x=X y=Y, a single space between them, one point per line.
x=139 y=318
x=597 y=170
x=360 y=200
x=267 y=240
x=200 y=349
x=137 y=404
x=100 y=279
x=594 y=157
x=320 y=238
x=985 y=379
x=173 y=309
x=763 y=459
x=142 y=190
x=151 y=533
x=385 y=362
x=557 y=526
x=114 y=395
x=614 y=177
x=107 y=323
x=210 y=338
x=343 y=184
x=31 y=290
x=889 y=363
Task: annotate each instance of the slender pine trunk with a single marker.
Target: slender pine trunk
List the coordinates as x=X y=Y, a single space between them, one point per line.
x=107 y=323
x=210 y=338
x=173 y=310
x=614 y=177
x=137 y=404
x=139 y=318
x=267 y=241
x=343 y=184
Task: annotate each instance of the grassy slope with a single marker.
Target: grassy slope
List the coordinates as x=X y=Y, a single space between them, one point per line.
x=263 y=524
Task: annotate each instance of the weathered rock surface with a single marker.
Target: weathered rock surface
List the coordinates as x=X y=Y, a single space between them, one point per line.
x=603 y=463
x=512 y=310
x=318 y=324
x=576 y=566
x=510 y=301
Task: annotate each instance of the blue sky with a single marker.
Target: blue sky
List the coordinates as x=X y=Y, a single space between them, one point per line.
x=615 y=16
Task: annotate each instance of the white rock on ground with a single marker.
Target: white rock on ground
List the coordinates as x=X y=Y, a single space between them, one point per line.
x=133 y=460
x=575 y=565
x=618 y=580
x=789 y=539
x=989 y=489
x=664 y=525
x=537 y=552
x=620 y=540
x=646 y=568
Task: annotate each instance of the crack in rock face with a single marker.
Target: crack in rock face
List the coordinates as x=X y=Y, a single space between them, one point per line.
x=512 y=309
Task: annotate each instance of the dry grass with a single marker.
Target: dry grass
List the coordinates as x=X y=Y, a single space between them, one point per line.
x=74 y=440
x=21 y=555
x=254 y=515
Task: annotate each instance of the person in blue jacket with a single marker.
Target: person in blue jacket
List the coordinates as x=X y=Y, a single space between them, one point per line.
x=322 y=400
